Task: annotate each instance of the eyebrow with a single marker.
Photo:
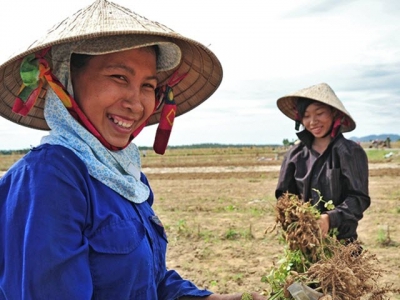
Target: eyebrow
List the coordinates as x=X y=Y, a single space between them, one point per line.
x=319 y=107
x=127 y=69
x=121 y=66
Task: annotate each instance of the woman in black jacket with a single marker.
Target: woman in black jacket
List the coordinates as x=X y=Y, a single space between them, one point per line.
x=324 y=162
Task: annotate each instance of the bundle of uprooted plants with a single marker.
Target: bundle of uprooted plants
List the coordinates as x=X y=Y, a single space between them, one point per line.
x=325 y=264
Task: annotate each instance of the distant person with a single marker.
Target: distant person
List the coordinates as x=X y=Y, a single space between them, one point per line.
x=76 y=212
x=388 y=142
x=325 y=160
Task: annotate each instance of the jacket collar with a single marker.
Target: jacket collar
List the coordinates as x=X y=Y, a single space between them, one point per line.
x=307 y=138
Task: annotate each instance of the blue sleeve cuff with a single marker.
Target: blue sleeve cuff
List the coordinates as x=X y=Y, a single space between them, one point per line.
x=174 y=287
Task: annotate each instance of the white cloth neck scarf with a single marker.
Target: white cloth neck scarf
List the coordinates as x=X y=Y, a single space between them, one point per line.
x=119 y=170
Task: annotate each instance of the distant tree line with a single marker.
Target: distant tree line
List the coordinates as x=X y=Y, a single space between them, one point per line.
x=211 y=145
x=287 y=143
x=10 y=152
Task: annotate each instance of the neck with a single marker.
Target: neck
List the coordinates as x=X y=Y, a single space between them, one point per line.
x=320 y=144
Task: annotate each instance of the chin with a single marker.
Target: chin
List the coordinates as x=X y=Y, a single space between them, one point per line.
x=118 y=143
x=121 y=145
x=323 y=135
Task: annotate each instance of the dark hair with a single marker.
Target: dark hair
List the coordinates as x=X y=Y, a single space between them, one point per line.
x=79 y=60
x=157 y=51
x=301 y=106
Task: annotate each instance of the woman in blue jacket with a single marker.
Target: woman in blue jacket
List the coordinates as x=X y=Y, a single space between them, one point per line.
x=76 y=211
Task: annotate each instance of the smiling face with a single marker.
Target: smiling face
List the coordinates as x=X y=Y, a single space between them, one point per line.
x=116 y=92
x=318 y=119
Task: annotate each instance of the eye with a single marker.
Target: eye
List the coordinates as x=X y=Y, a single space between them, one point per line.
x=119 y=77
x=149 y=85
x=325 y=111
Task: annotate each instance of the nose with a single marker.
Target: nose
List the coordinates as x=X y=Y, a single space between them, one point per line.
x=133 y=102
x=313 y=120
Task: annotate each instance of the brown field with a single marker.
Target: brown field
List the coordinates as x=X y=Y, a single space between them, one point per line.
x=216 y=205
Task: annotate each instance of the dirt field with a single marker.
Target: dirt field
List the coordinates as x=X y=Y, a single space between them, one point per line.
x=216 y=205
x=216 y=209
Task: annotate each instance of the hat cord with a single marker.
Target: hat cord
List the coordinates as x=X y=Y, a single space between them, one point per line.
x=168 y=113
x=339 y=121
x=164 y=95
x=35 y=71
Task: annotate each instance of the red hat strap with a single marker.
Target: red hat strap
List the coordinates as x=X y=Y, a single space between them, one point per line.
x=340 y=120
x=165 y=95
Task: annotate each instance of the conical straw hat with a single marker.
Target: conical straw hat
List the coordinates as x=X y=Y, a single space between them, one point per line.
x=106 y=19
x=322 y=93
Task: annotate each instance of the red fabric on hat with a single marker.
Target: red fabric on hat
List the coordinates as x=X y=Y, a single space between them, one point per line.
x=167 y=114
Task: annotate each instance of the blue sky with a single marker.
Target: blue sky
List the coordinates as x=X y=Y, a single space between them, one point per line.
x=267 y=50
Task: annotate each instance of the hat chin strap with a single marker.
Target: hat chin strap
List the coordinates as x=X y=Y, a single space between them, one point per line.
x=165 y=95
x=35 y=71
x=339 y=121
x=167 y=118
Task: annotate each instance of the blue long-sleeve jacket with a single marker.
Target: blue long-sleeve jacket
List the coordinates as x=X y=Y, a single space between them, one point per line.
x=65 y=235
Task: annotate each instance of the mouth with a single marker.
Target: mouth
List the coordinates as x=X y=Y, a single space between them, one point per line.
x=316 y=130
x=123 y=123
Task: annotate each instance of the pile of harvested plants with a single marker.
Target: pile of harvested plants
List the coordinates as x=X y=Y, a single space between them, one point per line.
x=325 y=264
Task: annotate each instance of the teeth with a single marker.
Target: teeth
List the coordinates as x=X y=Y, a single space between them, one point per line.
x=121 y=123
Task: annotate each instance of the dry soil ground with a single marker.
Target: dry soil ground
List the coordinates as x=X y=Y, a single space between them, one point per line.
x=217 y=204
x=216 y=209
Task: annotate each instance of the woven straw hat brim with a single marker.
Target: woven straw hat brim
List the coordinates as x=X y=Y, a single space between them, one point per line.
x=322 y=93
x=103 y=18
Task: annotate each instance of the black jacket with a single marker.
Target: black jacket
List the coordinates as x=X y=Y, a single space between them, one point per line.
x=340 y=174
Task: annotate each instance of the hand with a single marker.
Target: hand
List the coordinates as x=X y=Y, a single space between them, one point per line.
x=324 y=224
